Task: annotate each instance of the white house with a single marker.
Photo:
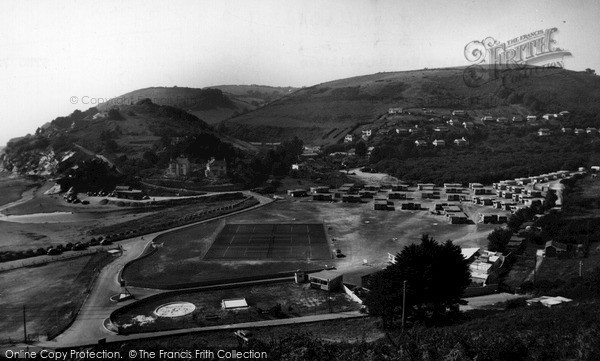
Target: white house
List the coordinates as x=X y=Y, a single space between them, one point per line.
x=395 y=111
x=543 y=132
x=461 y=142
x=349 y=138
x=531 y=118
x=439 y=143
x=420 y=143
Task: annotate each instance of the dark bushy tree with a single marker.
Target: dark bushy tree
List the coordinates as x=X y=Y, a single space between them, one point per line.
x=436 y=274
x=498 y=239
x=361 y=149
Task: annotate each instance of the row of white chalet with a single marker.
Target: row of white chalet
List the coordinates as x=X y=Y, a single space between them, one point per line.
x=459 y=142
x=544 y=132
x=519 y=119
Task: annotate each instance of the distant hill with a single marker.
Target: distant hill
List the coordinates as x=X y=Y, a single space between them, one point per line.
x=212 y=104
x=256 y=95
x=323 y=113
x=138 y=136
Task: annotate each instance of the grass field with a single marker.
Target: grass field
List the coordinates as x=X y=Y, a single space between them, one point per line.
x=270 y=241
x=295 y=300
x=356 y=229
x=11 y=189
x=51 y=294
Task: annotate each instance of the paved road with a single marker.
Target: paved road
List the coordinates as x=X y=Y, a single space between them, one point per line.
x=88 y=326
x=236 y=326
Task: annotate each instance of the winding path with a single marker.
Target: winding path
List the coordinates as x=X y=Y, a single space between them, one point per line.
x=88 y=326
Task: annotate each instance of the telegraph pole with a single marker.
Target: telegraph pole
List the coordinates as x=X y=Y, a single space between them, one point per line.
x=403 y=303
x=24 y=326
x=580 y=266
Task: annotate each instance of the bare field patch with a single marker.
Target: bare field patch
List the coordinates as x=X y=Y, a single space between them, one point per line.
x=51 y=294
x=359 y=232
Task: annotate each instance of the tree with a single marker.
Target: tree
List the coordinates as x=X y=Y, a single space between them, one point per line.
x=436 y=274
x=498 y=239
x=550 y=199
x=361 y=149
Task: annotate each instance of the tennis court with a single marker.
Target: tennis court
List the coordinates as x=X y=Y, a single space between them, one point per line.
x=270 y=241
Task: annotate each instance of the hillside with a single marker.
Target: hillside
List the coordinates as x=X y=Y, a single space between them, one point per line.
x=210 y=105
x=133 y=138
x=323 y=113
x=256 y=95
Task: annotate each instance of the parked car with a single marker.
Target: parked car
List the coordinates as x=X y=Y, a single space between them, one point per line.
x=244 y=335
x=54 y=251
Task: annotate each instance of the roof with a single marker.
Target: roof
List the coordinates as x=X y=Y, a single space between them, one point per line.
x=234 y=303
x=556 y=245
x=469 y=252
x=326 y=275
x=549 y=301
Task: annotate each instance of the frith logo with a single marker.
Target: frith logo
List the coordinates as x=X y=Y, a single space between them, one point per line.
x=492 y=60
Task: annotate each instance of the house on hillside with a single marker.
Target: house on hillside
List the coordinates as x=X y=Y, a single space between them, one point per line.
x=441 y=129
x=531 y=118
x=461 y=142
x=366 y=133
x=468 y=125
x=420 y=143
x=543 y=132
x=564 y=113
x=518 y=119
x=439 y=143
x=348 y=138
x=566 y=130
x=579 y=131
x=591 y=131
x=502 y=120
x=487 y=118
x=215 y=168
x=395 y=111
x=550 y=116
x=459 y=113
x=179 y=167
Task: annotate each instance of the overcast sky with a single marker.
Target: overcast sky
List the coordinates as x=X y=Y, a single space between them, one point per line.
x=52 y=51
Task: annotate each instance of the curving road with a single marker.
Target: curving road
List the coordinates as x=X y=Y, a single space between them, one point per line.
x=88 y=325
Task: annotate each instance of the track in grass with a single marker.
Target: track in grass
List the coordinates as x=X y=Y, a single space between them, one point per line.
x=270 y=241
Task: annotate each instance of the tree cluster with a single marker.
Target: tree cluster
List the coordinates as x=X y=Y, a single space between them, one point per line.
x=436 y=276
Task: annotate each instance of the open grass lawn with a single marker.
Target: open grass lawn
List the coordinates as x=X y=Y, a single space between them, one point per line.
x=11 y=189
x=165 y=215
x=358 y=231
x=295 y=300
x=51 y=294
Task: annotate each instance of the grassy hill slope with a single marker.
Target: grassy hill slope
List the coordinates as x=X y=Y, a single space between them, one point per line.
x=338 y=105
